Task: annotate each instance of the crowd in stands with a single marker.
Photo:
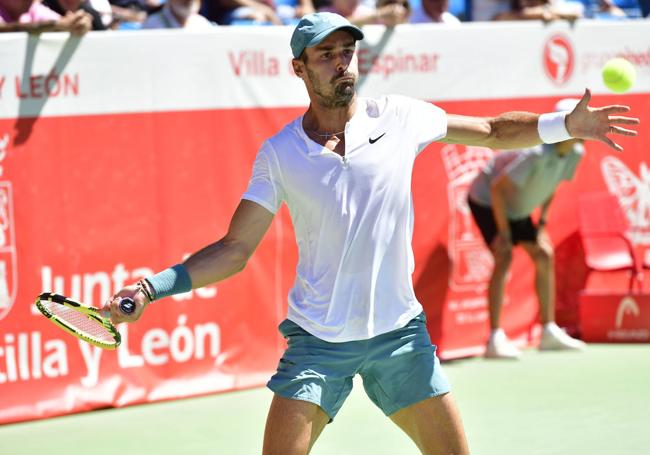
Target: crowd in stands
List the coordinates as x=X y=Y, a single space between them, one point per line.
x=80 y=16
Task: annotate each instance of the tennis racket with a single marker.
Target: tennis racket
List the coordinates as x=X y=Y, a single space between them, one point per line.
x=86 y=323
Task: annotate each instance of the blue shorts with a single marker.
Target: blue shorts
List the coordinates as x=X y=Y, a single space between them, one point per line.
x=398 y=368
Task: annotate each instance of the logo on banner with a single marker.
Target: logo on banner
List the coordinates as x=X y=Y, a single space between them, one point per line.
x=629 y=324
x=558 y=59
x=7 y=240
x=633 y=194
x=628 y=306
x=471 y=260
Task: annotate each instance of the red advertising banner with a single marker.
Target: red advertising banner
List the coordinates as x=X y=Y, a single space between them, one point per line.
x=113 y=168
x=95 y=202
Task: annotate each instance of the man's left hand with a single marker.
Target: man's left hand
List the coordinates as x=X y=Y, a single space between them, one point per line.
x=595 y=123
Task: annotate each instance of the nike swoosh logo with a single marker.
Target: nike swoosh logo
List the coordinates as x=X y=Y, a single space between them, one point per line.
x=372 y=141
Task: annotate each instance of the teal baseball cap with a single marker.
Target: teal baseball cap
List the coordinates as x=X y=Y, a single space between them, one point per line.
x=314 y=28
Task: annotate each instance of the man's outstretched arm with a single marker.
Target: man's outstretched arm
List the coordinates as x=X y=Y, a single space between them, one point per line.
x=512 y=130
x=213 y=263
x=229 y=255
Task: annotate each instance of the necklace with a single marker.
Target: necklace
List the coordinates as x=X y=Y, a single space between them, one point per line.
x=325 y=135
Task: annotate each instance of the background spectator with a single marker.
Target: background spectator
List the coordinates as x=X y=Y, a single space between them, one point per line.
x=132 y=13
x=178 y=14
x=32 y=16
x=64 y=6
x=390 y=13
x=486 y=10
x=241 y=12
x=103 y=7
x=644 y=5
x=546 y=10
x=427 y=11
x=290 y=11
x=608 y=8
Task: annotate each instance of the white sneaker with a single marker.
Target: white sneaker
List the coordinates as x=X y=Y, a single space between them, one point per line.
x=556 y=339
x=500 y=347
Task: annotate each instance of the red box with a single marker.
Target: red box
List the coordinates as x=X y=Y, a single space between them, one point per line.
x=615 y=317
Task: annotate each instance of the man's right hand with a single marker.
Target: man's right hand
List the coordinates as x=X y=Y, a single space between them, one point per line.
x=139 y=298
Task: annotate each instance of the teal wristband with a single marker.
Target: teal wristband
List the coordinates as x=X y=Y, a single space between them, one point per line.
x=174 y=280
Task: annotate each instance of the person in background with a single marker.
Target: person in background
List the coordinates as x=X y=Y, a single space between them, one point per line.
x=178 y=14
x=65 y=6
x=428 y=11
x=290 y=11
x=644 y=5
x=549 y=10
x=486 y=10
x=242 y=12
x=545 y=10
x=502 y=198
x=389 y=13
x=34 y=17
x=515 y=10
x=103 y=7
x=605 y=9
x=130 y=14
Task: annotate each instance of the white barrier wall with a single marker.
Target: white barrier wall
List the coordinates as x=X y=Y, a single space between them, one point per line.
x=250 y=67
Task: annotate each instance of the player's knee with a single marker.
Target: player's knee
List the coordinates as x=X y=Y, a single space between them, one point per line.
x=502 y=261
x=544 y=255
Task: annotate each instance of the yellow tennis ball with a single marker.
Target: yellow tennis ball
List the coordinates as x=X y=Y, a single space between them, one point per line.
x=619 y=75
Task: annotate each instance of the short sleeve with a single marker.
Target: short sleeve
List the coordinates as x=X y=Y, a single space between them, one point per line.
x=264 y=186
x=521 y=167
x=427 y=121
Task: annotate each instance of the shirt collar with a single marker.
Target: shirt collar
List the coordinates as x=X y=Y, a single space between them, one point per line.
x=314 y=148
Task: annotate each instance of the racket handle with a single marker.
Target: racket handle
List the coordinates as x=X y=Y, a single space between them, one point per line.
x=127 y=305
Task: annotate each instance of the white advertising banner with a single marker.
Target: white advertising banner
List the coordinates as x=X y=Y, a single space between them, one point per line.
x=102 y=73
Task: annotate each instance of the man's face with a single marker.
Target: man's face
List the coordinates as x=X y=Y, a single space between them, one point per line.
x=330 y=71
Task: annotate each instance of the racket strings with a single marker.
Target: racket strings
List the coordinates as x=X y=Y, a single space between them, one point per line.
x=79 y=321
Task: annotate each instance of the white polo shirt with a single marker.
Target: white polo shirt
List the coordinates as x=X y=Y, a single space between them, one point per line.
x=352 y=215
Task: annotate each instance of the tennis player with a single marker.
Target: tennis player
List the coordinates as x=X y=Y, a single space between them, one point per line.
x=344 y=170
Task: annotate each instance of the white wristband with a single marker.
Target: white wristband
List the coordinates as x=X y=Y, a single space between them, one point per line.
x=552 y=127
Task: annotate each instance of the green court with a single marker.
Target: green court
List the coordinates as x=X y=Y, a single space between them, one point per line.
x=595 y=403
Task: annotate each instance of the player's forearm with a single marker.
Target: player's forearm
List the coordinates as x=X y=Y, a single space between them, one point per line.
x=213 y=263
x=513 y=130
x=216 y=262
x=510 y=130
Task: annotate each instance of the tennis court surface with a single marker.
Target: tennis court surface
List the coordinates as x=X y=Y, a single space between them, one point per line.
x=592 y=403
